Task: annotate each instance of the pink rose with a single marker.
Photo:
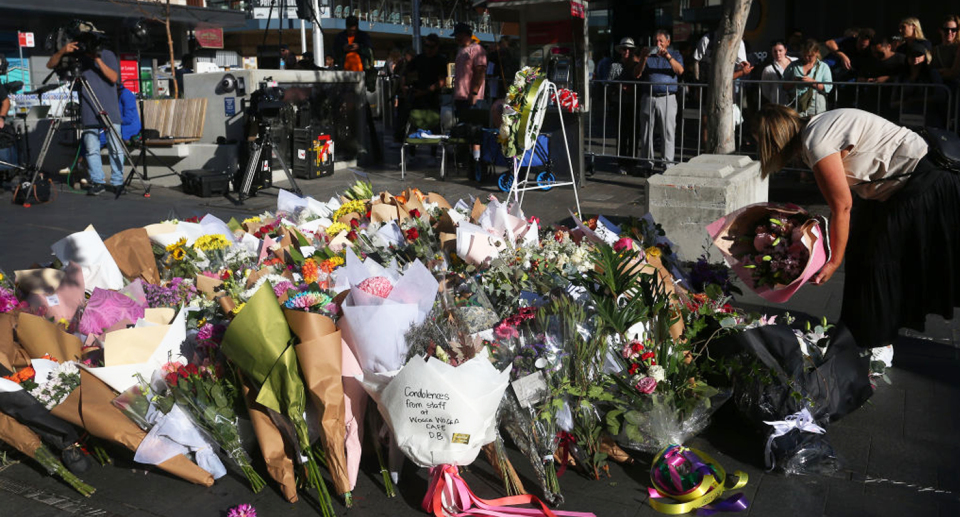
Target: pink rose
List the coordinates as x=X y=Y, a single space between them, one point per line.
x=762 y=241
x=647 y=385
x=504 y=331
x=626 y=243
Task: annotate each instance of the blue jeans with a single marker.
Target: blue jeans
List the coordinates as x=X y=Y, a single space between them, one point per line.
x=91 y=151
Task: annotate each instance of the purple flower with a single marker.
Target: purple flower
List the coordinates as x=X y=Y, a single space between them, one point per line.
x=244 y=510
x=8 y=301
x=647 y=385
x=281 y=288
x=205 y=332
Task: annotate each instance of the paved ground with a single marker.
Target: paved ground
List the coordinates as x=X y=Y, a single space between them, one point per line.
x=900 y=450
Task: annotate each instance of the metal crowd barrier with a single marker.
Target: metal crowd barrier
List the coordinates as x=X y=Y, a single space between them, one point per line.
x=614 y=121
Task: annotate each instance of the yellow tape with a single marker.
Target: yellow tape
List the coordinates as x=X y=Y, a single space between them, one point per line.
x=707 y=491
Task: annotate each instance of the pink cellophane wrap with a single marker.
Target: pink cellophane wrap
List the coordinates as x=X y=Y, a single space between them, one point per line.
x=106 y=308
x=355 y=403
x=726 y=230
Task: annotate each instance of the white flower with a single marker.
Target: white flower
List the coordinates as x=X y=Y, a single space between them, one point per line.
x=657 y=372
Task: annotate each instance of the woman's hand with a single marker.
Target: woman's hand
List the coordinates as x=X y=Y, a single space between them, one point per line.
x=825 y=273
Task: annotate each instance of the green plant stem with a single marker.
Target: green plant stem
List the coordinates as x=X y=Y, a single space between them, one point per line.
x=387 y=482
x=100 y=454
x=313 y=470
x=53 y=465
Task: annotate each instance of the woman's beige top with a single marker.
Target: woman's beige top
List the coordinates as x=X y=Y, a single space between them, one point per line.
x=878 y=149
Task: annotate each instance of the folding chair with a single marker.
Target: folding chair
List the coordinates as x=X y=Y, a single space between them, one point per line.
x=427 y=120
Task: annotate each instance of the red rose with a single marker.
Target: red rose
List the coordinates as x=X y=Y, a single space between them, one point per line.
x=183 y=372
x=413 y=234
x=354 y=223
x=352 y=236
x=171 y=379
x=192 y=368
x=415 y=213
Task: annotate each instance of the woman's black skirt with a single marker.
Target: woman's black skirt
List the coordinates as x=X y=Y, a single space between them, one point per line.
x=903 y=258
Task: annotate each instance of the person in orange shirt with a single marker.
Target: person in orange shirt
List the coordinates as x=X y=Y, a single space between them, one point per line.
x=352 y=48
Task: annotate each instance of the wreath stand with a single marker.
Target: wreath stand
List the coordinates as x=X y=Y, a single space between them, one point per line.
x=531 y=121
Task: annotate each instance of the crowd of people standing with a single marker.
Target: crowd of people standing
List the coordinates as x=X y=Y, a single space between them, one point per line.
x=915 y=79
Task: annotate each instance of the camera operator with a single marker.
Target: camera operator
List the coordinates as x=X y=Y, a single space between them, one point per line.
x=8 y=140
x=101 y=69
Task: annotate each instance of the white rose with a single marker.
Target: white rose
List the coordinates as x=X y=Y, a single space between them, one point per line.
x=657 y=372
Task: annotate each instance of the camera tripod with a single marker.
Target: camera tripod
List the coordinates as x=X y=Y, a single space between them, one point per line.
x=256 y=159
x=105 y=123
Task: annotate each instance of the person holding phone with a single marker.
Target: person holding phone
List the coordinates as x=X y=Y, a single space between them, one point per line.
x=660 y=65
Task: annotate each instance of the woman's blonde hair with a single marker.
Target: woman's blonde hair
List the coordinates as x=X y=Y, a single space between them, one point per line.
x=778 y=131
x=917 y=31
x=811 y=46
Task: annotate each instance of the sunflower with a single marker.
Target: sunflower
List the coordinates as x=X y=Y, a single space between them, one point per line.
x=179 y=254
x=179 y=244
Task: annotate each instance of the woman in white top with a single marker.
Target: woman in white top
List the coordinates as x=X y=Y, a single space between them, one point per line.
x=773 y=91
x=903 y=252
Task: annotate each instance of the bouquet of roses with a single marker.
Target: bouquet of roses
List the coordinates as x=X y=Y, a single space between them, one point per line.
x=208 y=398
x=774 y=249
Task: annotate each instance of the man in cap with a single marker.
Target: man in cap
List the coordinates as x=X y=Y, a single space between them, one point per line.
x=469 y=75
x=101 y=69
x=623 y=93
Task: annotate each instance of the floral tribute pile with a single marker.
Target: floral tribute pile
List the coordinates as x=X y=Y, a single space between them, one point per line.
x=452 y=330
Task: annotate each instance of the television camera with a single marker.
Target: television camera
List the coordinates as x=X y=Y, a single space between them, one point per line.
x=88 y=40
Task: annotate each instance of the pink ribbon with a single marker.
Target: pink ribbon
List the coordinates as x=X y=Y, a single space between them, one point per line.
x=449 y=494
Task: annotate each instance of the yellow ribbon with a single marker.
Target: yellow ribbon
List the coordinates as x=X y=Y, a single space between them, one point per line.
x=707 y=491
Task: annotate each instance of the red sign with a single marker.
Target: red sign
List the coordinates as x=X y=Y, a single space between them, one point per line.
x=682 y=31
x=547 y=33
x=577 y=10
x=129 y=72
x=209 y=38
x=26 y=39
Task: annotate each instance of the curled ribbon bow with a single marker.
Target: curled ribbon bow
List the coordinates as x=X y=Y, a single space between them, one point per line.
x=801 y=420
x=567 y=99
x=693 y=480
x=449 y=495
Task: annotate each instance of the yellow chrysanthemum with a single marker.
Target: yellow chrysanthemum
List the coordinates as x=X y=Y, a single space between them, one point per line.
x=334 y=229
x=356 y=206
x=251 y=220
x=179 y=254
x=1 y=277
x=179 y=244
x=653 y=251
x=236 y=310
x=212 y=242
